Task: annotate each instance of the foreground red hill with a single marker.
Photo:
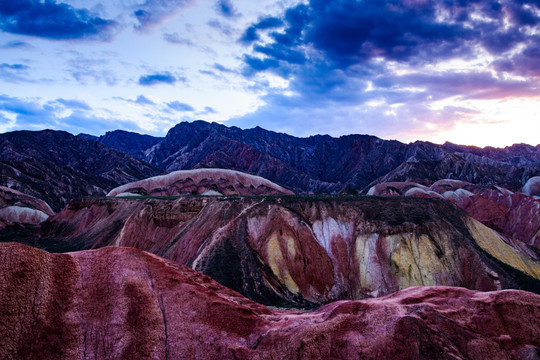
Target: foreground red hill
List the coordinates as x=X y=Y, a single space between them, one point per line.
x=123 y=303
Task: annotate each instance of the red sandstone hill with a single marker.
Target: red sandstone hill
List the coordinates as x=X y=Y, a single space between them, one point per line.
x=122 y=303
x=302 y=251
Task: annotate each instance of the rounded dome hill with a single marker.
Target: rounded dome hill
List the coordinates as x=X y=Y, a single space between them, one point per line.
x=201 y=182
x=19 y=208
x=532 y=186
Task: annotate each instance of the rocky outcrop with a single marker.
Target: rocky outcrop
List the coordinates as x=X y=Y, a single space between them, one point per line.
x=56 y=166
x=123 y=303
x=17 y=208
x=514 y=215
x=201 y=182
x=303 y=251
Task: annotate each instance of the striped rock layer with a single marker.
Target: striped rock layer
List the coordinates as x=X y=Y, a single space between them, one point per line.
x=303 y=251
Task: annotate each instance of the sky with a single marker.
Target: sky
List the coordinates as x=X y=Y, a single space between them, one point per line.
x=467 y=72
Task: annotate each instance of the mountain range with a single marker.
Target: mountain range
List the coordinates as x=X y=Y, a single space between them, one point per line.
x=56 y=166
x=324 y=164
x=302 y=251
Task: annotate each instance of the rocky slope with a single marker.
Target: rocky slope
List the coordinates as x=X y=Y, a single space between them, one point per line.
x=303 y=251
x=201 y=182
x=126 y=304
x=323 y=164
x=516 y=215
x=56 y=166
x=17 y=208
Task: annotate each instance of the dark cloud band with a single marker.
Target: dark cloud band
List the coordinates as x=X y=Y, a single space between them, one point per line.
x=53 y=20
x=158 y=78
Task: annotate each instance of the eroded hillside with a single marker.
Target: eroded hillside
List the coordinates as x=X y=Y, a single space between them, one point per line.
x=302 y=250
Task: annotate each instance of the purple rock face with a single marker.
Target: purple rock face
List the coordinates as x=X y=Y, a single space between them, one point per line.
x=128 y=142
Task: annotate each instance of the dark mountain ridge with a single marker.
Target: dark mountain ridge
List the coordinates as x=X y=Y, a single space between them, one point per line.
x=322 y=163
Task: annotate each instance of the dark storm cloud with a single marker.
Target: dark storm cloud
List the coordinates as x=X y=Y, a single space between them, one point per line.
x=179 y=106
x=522 y=16
x=281 y=52
x=497 y=42
x=342 y=57
x=151 y=13
x=226 y=8
x=526 y=63
x=348 y=32
x=158 y=78
x=53 y=20
x=258 y=64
